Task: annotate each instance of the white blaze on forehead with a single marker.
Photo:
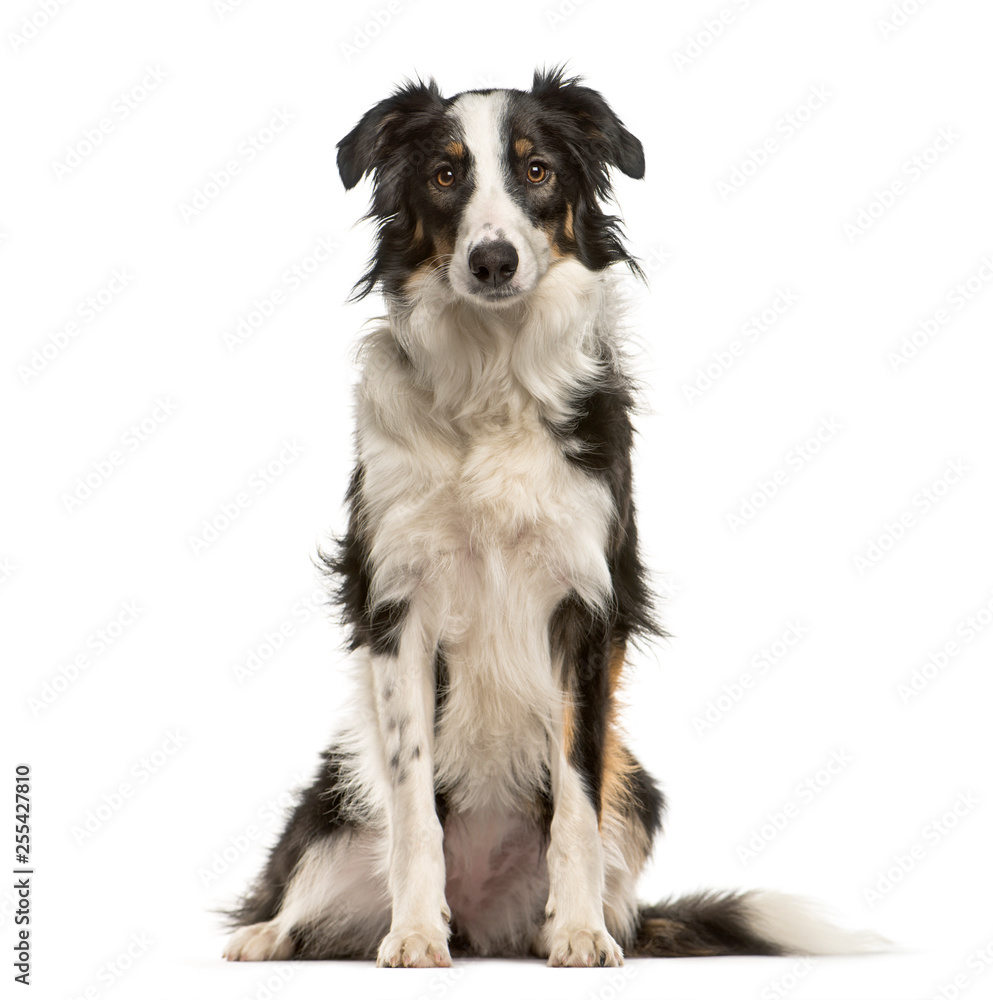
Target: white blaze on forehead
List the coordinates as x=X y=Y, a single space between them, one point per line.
x=480 y=117
x=492 y=213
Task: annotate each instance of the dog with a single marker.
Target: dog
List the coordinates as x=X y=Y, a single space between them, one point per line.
x=482 y=800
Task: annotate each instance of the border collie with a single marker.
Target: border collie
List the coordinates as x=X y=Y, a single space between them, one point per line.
x=482 y=801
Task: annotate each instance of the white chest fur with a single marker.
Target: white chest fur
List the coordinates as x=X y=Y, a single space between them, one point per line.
x=474 y=515
x=484 y=525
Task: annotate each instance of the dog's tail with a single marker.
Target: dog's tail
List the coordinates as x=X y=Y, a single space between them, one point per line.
x=746 y=923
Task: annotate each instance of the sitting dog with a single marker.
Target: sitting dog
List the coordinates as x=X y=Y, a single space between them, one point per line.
x=482 y=800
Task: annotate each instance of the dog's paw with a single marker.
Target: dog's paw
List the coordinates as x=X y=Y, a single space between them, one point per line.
x=259 y=943
x=415 y=948
x=583 y=946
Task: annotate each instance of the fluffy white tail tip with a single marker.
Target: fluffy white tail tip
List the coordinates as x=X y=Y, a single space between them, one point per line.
x=802 y=927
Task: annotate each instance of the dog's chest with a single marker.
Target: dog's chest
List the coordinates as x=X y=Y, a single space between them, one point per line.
x=507 y=516
x=487 y=535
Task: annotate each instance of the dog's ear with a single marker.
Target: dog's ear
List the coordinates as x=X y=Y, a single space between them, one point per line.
x=382 y=129
x=601 y=130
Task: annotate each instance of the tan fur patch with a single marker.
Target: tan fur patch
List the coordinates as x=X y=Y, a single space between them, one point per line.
x=616 y=666
x=418 y=231
x=455 y=149
x=523 y=146
x=421 y=273
x=567 y=228
x=617 y=761
x=568 y=723
x=443 y=246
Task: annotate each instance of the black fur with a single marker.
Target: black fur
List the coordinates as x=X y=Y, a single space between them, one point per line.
x=646 y=800
x=402 y=143
x=376 y=626
x=583 y=636
x=321 y=811
x=707 y=923
x=599 y=440
x=578 y=125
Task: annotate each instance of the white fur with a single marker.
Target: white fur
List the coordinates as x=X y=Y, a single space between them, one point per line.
x=476 y=517
x=477 y=521
x=576 y=933
x=404 y=686
x=800 y=926
x=491 y=213
x=339 y=883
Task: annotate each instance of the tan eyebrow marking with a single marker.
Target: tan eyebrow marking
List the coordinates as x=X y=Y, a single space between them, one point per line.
x=523 y=146
x=455 y=149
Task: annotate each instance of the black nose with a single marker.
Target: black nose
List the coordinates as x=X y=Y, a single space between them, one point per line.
x=494 y=262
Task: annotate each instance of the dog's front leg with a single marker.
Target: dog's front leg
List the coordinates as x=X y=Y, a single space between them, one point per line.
x=403 y=677
x=575 y=932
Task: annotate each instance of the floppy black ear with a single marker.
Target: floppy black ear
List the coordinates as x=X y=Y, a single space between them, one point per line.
x=366 y=147
x=601 y=130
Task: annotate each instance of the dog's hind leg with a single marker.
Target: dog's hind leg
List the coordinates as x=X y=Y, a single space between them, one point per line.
x=323 y=892
x=335 y=906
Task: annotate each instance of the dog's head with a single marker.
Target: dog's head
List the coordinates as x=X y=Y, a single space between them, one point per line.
x=488 y=189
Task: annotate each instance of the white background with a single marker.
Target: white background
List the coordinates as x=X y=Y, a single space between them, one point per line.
x=73 y=214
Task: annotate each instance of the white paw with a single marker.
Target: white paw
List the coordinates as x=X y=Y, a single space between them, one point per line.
x=258 y=943
x=415 y=948
x=582 y=946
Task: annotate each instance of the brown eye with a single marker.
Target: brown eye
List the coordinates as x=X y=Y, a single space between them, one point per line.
x=445 y=177
x=537 y=172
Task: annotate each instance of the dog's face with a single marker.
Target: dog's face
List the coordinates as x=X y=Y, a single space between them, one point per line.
x=488 y=189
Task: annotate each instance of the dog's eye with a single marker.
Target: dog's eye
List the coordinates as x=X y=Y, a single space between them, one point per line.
x=537 y=172
x=445 y=177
